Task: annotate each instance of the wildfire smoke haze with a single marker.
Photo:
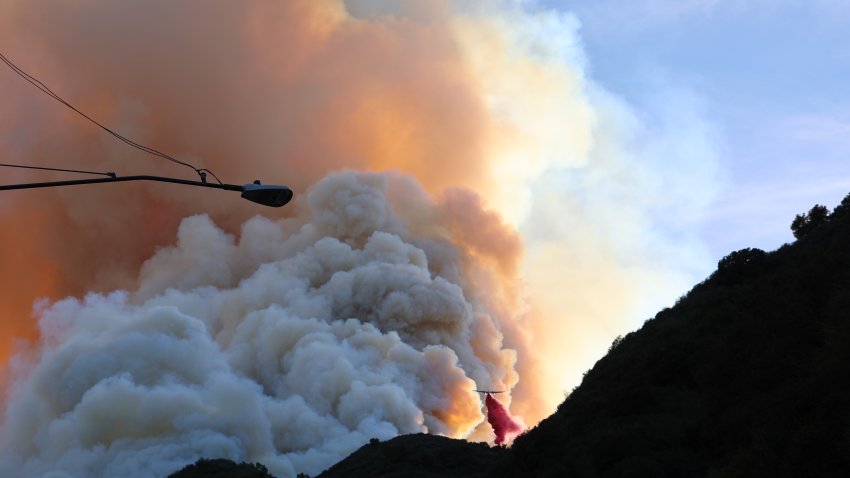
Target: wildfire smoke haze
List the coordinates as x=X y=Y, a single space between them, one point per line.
x=505 y=232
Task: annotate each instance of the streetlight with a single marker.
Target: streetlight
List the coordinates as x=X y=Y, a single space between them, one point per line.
x=272 y=196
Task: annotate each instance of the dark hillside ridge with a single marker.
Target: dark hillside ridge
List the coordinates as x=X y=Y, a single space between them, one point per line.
x=746 y=375
x=222 y=468
x=422 y=456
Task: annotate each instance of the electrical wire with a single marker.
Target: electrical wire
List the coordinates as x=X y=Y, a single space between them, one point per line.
x=41 y=86
x=110 y=174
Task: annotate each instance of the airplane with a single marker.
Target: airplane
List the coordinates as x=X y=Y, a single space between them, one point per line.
x=489 y=391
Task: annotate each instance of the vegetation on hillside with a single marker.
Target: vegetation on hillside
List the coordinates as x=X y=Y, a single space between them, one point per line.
x=222 y=468
x=747 y=375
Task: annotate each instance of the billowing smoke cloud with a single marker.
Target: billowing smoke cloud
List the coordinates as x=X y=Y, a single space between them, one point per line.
x=292 y=346
x=561 y=214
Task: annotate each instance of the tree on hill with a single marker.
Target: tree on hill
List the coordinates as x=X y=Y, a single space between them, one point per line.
x=805 y=223
x=222 y=468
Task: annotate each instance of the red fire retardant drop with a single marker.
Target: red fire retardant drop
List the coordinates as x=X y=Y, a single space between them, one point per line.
x=500 y=419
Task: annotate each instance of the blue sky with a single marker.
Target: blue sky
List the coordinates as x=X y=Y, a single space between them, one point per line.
x=769 y=76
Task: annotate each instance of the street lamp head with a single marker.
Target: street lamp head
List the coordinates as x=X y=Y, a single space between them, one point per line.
x=273 y=196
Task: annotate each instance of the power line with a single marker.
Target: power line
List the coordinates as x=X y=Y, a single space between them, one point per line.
x=41 y=86
x=111 y=175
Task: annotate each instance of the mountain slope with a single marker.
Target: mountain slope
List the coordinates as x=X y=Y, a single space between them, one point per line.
x=422 y=456
x=747 y=375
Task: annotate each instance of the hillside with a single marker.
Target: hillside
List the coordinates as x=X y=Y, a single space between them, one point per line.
x=746 y=375
x=422 y=456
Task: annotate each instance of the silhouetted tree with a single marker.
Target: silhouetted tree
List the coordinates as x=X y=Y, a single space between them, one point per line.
x=617 y=340
x=222 y=468
x=803 y=224
x=740 y=258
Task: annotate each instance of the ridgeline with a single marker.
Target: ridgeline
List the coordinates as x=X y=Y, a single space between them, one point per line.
x=746 y=375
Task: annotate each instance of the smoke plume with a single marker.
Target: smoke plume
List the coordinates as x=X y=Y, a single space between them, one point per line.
x=518 y=217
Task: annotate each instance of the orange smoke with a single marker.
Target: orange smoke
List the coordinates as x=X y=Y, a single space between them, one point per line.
x=284 y=92
x=26 y=274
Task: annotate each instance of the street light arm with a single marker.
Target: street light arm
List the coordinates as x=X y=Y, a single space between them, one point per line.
x=118 y=179
x=273 y=196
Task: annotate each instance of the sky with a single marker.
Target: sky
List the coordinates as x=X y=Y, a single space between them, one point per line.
x=487 y=194
x=769 y=76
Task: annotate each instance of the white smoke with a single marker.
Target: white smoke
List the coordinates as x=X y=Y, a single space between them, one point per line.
x=291 y=346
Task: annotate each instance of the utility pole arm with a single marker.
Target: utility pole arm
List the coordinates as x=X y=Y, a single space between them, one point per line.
x=273 y=196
